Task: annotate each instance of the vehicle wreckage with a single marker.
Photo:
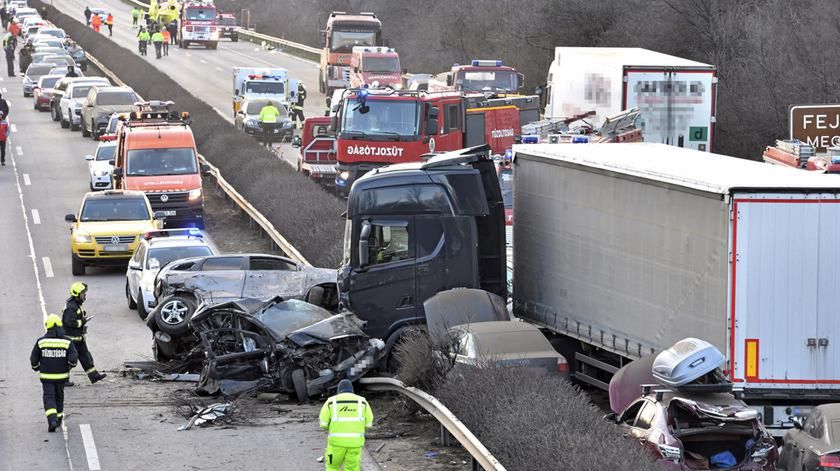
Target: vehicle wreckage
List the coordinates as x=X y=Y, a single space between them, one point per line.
x=282 y=345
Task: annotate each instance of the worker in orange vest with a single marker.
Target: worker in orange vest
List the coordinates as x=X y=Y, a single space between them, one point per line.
x=166 y=39
x=96 y=22
x=110 y=23
x=14 y=28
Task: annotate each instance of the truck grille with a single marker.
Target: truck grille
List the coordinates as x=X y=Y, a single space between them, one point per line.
x=171 y=198
x=106 y=240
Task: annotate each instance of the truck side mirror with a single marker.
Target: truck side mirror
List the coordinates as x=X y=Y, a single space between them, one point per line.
x=118 y=172
x=112 y=163
x=449 y=80
x=88 y=158
x=521 y=80
x=334 y=122
x=70 y=218
x=364 y=244
x=797 y=422
x=296 y=142
x=432 y=127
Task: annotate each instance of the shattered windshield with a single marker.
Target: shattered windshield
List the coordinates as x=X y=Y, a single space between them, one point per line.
x=288 y=316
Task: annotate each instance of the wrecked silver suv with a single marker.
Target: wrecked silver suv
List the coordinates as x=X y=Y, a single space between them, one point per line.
x=283 y=345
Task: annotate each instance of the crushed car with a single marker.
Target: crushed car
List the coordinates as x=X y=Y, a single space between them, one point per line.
x=281 y=345
x=181 y=286
x=687 y=415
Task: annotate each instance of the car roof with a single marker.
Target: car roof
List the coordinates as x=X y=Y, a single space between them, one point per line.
x=113 y=89
x=830 y=410
x=177 y=241
x=107 y=144
x=85 y=81
x=114 y=194
x=47 y=77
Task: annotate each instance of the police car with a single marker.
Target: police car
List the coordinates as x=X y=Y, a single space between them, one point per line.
x=156 y=249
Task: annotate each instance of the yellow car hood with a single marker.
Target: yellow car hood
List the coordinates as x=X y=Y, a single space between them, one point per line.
x=116 y=227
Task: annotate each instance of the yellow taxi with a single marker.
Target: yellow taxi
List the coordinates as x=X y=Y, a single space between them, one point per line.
x=108 y=227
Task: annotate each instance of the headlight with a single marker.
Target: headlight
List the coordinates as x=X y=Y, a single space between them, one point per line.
x=344 y=175
x=81 y=238
x=195 y=194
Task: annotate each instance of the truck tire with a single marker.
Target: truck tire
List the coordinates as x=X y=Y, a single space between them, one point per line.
x=212 y=45
x=64 y=123
x=183 y=44
x=174 y=314
x=78 y=268
x=85 y=132
x=141 y=306
x=235 y=38
x=132 y=304
x=299 y=382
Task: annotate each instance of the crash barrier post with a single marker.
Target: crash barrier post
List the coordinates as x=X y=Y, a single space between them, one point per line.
x=481 y=456
x=254 y=215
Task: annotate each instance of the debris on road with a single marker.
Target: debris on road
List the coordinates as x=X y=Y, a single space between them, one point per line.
x=210 y=415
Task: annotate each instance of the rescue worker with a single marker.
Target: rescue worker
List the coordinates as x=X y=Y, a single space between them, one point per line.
x=14 y=28
x=25 y=56
x=135 y=16
x=4 y=15
x=109 y=21
x=297 y=107
x=144 y=39
x=53 y=356
x=268 y=121
x=173 y=30
x=71 y=72
x=75 y=325
x=4 y=134
x=96 y=22
x=44 y=12
x=166 y=39
x=87 y=16
x=9 y=48
x=329 y=105
x=157 y=40
x=4 y=106
x=346 y=416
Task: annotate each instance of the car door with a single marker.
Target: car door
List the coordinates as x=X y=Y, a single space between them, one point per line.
x=135 y=270
x=219 y=278
x=273 y=276
x=88 y=106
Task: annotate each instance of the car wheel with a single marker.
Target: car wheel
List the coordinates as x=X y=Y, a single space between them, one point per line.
x=299 y=382
x=85 y=132
x=174 y=313
x=73 y=127
x=64 y=123
x=78 y=268
x=141 y=306
x=132 y=304
x=54 y=113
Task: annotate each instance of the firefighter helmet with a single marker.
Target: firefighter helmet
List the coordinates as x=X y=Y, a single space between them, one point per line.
x=77 y=289
x=52 y=321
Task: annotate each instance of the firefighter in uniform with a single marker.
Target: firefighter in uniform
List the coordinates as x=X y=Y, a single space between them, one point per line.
x=297 y=107
x=346 y=416
x=53 y=356
x=75 y=327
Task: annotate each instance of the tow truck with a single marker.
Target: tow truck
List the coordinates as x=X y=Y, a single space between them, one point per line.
x=342 y=33
x=375 y=67
x=317 y=150
x=198 y=25
x=479 y=76
x=377 y=127
x=270 y=83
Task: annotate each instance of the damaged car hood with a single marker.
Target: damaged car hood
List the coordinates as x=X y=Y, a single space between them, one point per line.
x=461 y=306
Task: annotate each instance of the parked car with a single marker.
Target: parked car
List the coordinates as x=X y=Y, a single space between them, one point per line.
x=100 y=166
x=57 y=33
x=284 y=345
x=70 y=106
x=814 y=442
x=687 y=416
x=42 y=92
x=247 y=119
x=33 y=73
x=156 y=250
x=181 y=287
x=110 y=131
x=101 y=103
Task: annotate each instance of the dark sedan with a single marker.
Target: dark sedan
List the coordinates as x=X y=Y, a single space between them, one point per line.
x=814 y=442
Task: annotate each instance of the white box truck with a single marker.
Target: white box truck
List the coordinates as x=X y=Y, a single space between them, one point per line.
x=624 y=249
x=676 y=96
x=271 y=83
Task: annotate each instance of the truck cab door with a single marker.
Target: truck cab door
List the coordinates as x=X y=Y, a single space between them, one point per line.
x=431 y=268
x=382 y=283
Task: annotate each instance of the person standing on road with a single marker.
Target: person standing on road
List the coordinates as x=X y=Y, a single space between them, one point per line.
x=157 y=40
x=44 y=13
x=135 y=17
x=25 y=56
x=71 y=72
x=144 y=38
x=4 y=135
x=4 y=15
x=166 y=38
x=96 y=22
x=173 y=30
x=75 y=325
x=9 y=47
x=53 y=356
x=4 y=106
x=109 y=21
x=346 y=416
x=87 y=16
x=297 y=107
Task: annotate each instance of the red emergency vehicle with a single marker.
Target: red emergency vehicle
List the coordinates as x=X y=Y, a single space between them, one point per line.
x=376 y=127
x=343 y=33
x=199 y=25
x=479 y=76
x=317 y=150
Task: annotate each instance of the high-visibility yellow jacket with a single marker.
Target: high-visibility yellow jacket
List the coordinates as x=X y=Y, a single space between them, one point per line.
x=269 y=114
x=346 y=416
x=143 y=36
x=157 y=37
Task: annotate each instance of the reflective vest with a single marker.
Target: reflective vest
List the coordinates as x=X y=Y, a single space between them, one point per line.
x=143 y=36
x=157 y=37
x=269 y=114
x=73 y=318
x=346 y=416
x=53 y=356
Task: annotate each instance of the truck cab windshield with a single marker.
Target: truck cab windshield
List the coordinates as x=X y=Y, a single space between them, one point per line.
x=381 y=64
x=384 y=117
x=487 y=80
x=268 y=88
x=154 y=162
x=114 y=209
x=201 y=14
x=343 y=41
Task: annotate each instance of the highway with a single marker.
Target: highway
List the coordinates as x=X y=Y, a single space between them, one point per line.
x=208 y=74
x=119 y=423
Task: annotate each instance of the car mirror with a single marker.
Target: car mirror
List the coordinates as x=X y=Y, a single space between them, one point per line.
x=296 y=142
x=132 y=265
x=88 y=157
x=112 y=162
x=70 y=218
x=798 y=422
x=364 y=244
x=118 y=172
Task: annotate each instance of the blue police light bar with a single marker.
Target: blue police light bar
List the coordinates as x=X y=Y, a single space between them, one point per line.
x=580 y=140
x=486 y=63
x=530 y=140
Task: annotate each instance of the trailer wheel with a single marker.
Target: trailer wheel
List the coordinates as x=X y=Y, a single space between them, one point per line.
x=299 y=382
x=212 y=45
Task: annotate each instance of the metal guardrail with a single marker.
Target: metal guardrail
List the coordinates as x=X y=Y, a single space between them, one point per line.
x=252 y=212
x=447 y=419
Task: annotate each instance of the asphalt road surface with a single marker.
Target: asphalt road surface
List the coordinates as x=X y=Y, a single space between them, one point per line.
x=119 y=423
x=207 y=73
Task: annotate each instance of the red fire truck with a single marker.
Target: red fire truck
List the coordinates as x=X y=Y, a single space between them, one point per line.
x=479 y=76
x=317 y=150
x=377 y=127
x=342 y=33
x=199 y=25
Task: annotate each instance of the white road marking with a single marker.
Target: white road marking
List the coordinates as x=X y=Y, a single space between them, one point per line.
x=26 y=180
x=202 y=61
x=36 y=217
x=14 y=128
x=223 y=115
x=48 y=271
x=66 y=443
x=90 y=447
x=31 y=245
x=219 y=69
x=19 y=150
x=189 y=55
